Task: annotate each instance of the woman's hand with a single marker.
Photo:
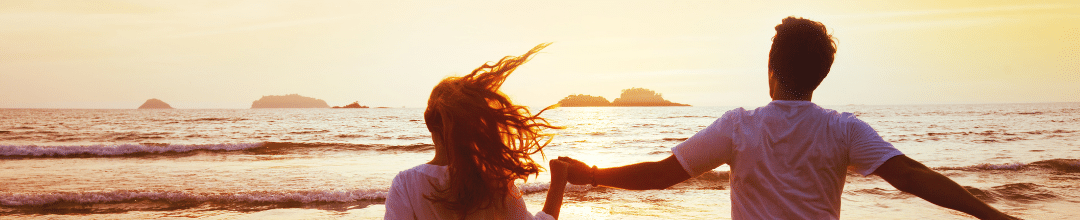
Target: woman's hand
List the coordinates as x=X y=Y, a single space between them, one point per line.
x=558 y=170
x=556 y=188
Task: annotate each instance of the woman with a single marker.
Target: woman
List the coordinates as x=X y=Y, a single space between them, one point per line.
x=482 y=145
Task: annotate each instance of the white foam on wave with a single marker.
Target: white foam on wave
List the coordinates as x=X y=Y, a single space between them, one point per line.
x=36 y=199
x=243 y=197
x=533 y=187
x=1010 y=166
x=540 y=187
x=113 y=150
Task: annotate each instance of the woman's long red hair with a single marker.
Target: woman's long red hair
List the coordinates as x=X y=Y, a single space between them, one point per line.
x=489 y=139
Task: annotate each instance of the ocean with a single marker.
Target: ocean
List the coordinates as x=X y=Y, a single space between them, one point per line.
x=1023 y=159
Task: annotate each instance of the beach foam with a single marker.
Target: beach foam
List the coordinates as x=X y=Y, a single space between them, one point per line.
x=39 y=199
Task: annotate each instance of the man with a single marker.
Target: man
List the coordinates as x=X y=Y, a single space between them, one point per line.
x=789 y=159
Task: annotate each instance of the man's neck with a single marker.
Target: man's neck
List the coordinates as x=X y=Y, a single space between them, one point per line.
x=778 y=92
x=792 y=96
x=791 y=100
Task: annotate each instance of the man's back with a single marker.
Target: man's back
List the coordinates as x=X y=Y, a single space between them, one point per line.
x=788 y=159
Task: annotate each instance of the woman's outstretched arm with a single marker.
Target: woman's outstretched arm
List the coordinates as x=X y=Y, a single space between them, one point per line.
x=556 y=189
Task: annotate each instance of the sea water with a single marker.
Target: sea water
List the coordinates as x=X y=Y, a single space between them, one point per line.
x=338 y=163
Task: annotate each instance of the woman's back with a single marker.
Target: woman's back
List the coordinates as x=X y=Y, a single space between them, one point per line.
x=483 y=143
x=409 y=187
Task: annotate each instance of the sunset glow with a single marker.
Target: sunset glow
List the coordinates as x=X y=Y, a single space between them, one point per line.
x=214 y=54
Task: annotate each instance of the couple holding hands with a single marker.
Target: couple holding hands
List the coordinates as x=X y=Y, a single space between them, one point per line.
x=788 y=159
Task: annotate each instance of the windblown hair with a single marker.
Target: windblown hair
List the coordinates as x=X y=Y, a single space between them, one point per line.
x=489 y=139
x=802 y=53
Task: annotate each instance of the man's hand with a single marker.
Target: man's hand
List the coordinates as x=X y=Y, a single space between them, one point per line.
x=577 y=172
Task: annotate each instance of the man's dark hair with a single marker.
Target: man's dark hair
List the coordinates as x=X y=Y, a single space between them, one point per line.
x=802 y=54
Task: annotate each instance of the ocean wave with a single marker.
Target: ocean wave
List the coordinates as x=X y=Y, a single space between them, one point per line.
x=1008 y=166
x=310 y=132
x=215 y=119
x=687 y=116
x=987 y=136
x=675 y=139
x=176 y=196
x=297 y=147
x=1059 y=165
x=530 y=188
x=413 y=147
x=83 y=136
x=116 y=150
x=892 y=194
x=351 y=135
x=1013 y=192
x=316 y=196
x=277 y=148
x=1055 y=165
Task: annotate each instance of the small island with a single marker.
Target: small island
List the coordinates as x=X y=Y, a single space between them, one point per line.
x=155 y=104
x=629 y=97
x=355 y=104
x=580 y=100
x=288 y=101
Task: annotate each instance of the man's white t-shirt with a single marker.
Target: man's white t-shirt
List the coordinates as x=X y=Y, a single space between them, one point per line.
x=788 y=159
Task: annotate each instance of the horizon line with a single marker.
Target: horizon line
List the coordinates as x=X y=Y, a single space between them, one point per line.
x=384 y=107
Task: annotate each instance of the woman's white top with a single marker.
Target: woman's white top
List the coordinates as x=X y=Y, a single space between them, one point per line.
x=406 y=198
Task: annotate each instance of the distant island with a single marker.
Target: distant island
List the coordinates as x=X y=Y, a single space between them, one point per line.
x=355 y=104
x=580 y=100
x=155 y=104
x=288 y=101
x=629 y=97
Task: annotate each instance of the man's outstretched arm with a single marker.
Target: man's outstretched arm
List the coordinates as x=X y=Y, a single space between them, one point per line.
x=913 y=177
x=640 y=176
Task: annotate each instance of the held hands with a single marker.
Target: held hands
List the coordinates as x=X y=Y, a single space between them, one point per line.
x=577 y=172
x=558 y=172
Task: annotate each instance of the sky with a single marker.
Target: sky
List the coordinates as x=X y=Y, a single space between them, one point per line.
x=226 y=54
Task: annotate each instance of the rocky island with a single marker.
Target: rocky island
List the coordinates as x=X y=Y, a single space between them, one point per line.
x=629 y=97
x=355 y=104
x=155 y=104
x=288 y=101
x=580 y=100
